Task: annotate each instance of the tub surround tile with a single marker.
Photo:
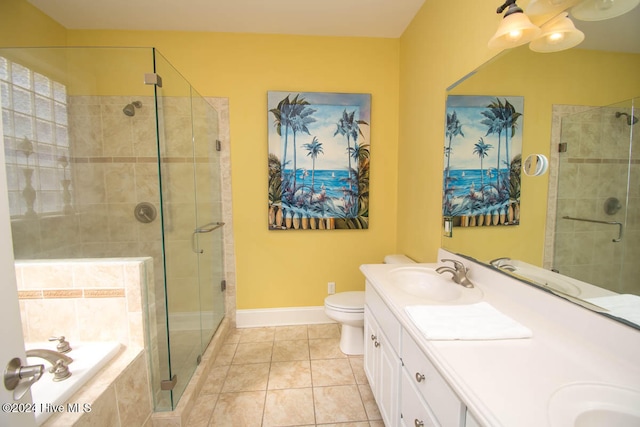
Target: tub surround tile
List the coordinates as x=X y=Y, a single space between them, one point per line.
x=104 y=412
x=133 y=394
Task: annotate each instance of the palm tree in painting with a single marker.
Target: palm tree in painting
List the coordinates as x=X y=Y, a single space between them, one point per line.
x=454 y=128
x=349 y=127
x=313 y=149
x=501 y=118
x=300 y=120
x=495 y=123
x=482 y=150
x=510 y=117
x=287 y=114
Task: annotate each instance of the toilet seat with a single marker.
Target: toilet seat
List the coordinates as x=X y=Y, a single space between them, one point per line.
x=348 y=302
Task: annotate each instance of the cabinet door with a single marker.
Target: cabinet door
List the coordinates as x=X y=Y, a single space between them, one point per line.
x=370 y=350
x=388 y=382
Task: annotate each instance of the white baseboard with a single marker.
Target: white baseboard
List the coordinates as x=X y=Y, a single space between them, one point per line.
x=281 y=316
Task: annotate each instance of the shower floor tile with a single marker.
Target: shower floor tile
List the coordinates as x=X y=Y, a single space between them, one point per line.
x=285 y=376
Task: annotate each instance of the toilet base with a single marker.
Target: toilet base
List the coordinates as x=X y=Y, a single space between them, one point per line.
x=352 y=340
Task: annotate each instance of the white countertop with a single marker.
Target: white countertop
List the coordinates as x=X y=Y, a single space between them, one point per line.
x=509 y=382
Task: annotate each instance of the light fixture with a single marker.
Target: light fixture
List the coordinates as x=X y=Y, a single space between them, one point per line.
x=558 y=34
x=599 y=10
x=543 y=7
x=515 y=29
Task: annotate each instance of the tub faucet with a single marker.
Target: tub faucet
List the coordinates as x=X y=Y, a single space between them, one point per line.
x=458 y=272
x=59 y=362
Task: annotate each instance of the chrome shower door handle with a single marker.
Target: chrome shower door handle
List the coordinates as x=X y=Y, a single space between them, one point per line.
x=595 y=221
x=207 y=228
x=194 y=246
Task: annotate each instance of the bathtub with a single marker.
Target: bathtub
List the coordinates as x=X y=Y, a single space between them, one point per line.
x=50 y=397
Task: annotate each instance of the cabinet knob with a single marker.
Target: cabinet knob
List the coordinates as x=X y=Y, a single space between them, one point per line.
x=377 y=344
x=418 y=423
x=373 y=337
x=419 y=377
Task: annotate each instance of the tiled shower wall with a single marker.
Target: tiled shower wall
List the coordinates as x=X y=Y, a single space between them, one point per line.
x=600 y=162
x=114 y=167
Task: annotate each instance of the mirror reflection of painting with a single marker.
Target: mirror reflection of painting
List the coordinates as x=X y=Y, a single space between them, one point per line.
x=482 y=160
x=318 y=160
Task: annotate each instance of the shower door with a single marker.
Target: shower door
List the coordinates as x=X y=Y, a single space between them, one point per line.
x=192 y=227
x=209 y=231
x=596 y=234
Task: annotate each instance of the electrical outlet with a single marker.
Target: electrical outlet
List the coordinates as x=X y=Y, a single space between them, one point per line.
x=331 y=288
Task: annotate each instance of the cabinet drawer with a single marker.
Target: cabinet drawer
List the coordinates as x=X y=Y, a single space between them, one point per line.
x=444 y=403
x=387 y=321
x=415 y=412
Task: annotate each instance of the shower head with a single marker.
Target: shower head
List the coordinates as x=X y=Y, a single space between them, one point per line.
x=631 y=120
x=130 y=109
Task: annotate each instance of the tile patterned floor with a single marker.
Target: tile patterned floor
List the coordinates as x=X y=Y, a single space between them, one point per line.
x=286 y=376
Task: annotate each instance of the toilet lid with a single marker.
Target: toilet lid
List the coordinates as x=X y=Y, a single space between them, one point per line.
x=346 y=301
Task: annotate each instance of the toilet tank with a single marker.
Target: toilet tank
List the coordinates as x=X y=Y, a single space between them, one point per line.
x=398 y=259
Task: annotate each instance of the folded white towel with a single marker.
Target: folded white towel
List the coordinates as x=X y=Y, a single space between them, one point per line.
x=480 y=321
x=626 y=306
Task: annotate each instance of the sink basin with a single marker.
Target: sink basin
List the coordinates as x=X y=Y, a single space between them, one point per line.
x=425 y=282
x=594 y=405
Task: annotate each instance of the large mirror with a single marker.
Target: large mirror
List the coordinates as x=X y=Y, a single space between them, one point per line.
x=579 y=230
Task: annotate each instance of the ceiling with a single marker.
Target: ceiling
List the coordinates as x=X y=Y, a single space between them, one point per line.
x=351 y=18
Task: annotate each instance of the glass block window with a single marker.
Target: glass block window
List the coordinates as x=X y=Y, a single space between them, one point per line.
x=36 y=141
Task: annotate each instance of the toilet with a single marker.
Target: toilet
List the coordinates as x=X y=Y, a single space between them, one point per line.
x=347 y=308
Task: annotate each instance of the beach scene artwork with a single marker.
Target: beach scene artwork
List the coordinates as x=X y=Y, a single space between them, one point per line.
x=482 y=160
x=319 y=157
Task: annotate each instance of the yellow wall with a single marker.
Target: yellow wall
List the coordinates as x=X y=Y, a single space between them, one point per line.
x=21 y=24
x=407 y=78
x=274 y=269
x=543 y=80
x=443 y=43
x=287 y=269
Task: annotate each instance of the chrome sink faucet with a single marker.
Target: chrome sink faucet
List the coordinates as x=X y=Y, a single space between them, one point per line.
x=458 y=272
x=59 y=362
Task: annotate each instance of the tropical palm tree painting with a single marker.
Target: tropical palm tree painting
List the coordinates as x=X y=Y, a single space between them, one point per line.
x=318 y=160
x=482 y=156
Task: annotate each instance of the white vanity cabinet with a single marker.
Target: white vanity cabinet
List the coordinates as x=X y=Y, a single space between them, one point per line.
x=407 y=387
x=381 y=356
x=427 y=399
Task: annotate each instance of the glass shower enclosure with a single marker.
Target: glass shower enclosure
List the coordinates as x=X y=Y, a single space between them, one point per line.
x=597 y=220
x=111 y=153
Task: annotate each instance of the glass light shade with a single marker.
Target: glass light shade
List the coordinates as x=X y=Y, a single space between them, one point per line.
x=515 y=29
x=599 y=10
x=557 y=34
